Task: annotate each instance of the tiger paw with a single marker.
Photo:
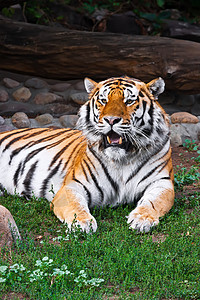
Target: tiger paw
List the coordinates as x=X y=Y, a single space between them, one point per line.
x=80 y=219
x=143 y=219
x=88 y=225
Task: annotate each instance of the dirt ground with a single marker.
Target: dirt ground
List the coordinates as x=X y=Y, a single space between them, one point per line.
x=181 y=157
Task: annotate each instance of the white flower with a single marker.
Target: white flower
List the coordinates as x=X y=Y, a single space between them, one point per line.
x=3 y=269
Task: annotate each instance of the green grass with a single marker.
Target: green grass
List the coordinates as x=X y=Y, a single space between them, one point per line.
x=162 y=264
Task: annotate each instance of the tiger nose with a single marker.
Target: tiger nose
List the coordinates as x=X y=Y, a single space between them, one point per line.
x=112 y=120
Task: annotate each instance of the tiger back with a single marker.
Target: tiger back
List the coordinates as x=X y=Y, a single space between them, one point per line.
x=119 y=153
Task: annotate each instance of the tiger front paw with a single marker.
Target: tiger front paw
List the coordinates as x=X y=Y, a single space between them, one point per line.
x=80 y=219
x=143 y=219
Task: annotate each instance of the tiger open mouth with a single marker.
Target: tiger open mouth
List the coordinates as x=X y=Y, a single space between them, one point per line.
x=113 y=139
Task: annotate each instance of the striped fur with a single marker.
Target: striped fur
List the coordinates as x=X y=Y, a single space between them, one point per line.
x=120 y=153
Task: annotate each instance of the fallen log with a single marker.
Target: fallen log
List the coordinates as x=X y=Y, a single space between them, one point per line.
x=66 y=54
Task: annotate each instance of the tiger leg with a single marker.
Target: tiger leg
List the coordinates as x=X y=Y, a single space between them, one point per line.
x=71 y=207
x=154 y=204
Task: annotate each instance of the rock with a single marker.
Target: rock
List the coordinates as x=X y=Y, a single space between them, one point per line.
x=8 y=228
x=79 y=98
x=2 y=121
x=20 y=120
x=181 y=132
x=183 y=117
x=175 y=136
x=44 y=119
x=79 y=86
x=45 y=98
x=3 y=96
x=68 y=121
x=6 y=127
x=60 y=87
x=10 y=83
x=22 y=94
x=36 y=83
x=59 y=109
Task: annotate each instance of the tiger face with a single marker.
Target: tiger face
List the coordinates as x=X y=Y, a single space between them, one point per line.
x=122 y=116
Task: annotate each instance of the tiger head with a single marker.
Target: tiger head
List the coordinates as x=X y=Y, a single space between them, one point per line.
x=122 y=116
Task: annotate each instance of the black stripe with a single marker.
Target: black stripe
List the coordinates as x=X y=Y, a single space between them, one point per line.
x=29 y=177
x=16 y=175
x=36 y=133
x=46 y=180
x=152 y=171
x=14 y=141
x=16 y=151
x=29 y=156
x=57 y=156
x=51 y=137
x=144 y=104
x=94 y=180
x=157 y=150
x=150 y=112
x=86 y=190
x=72 y=153
x=140 y=195
x=87 y=112
x=56 y=143
x=112 y=182
x=13 y=133
x=84 y=172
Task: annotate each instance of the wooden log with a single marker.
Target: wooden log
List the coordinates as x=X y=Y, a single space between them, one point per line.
x=65 y=54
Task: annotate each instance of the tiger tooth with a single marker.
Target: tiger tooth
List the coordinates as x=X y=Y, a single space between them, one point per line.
x=108 y=139
x=120 y=140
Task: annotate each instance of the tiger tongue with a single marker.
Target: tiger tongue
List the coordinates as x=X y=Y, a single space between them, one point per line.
x=114 y=138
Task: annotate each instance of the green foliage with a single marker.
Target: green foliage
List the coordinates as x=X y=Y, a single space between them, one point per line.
x=190 y=145
x=185 y=177
x=8 y=12
x=113 y=262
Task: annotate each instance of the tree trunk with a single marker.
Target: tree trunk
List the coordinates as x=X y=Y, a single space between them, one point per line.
x=65 y=54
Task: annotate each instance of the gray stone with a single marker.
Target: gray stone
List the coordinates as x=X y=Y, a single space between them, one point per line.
x=20 y=120
x=3 y=96
x=36 y=83
x=6 y=127
x=79 y=98
x=2 y=121
x=8 y=228
x=59 y=109
x=23 y=94
x=175 y=135
x=68 y=121
x=191 y=131
x=10 y=83
x=181 y=132
x=45 y=98
x=60 y=87
x=79 y=86
x=44 y=119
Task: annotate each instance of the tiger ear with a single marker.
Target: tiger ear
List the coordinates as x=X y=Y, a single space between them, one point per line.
x=89 y=84
x=156 y=87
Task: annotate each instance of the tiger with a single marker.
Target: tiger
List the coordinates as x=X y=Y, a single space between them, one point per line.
x=118 y=153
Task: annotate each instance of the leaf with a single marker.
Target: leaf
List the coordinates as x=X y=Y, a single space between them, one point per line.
x=160 y=3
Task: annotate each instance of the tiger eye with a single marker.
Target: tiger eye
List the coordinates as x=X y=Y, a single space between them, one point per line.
x=103 y=101
x=129 y=101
